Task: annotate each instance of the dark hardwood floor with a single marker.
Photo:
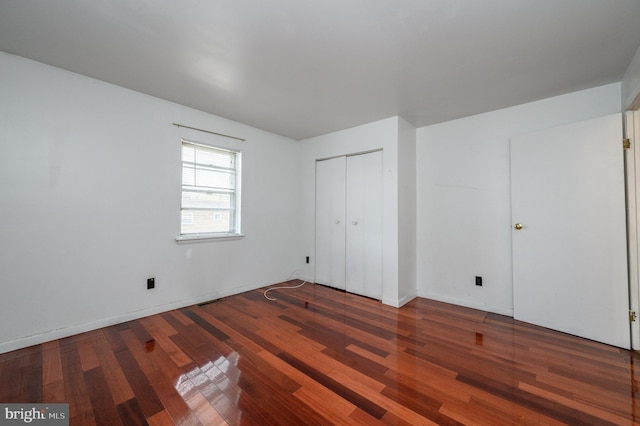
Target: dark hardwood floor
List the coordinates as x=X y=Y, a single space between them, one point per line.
x=321 y=356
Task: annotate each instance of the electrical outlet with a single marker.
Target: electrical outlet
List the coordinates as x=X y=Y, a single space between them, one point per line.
x=479 y=281
x=151 y=283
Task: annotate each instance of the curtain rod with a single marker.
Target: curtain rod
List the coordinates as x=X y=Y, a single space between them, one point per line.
x=208 y=131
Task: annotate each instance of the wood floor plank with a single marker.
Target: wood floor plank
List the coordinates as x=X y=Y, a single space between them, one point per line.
x=338 y=388
x=494 y=415
x=160 y=323
x=219 y=394
x=204 y=324
x=114 y=375
x=161 y=419
x=51 y=363
x=322 y=356
x=321 y=400
x=331 y=409
x=105 y=411
x=162 y=336
x=237 y=323
x=204 y=410
x=88 y=356
x=283 y=409
x=552 y=408
x=76 y=393
x=359 y=365
x=130 y=413
x=194 y=345
x=54 y=393
x=602 y=416
x=31 y=380
x=146 y=396
x=581 y=389
x=18 y=376
x=177 y=317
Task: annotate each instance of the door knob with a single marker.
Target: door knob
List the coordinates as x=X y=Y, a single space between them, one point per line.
x=518 y=226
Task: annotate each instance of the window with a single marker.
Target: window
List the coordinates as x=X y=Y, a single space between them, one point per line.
x=210 y=191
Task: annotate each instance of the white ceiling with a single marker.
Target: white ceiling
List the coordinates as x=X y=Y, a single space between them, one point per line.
x=302 y=68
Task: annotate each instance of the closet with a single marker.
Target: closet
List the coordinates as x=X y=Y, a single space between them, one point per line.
x=349 y=223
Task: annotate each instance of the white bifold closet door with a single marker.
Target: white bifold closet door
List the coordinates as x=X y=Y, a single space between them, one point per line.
x=349 y=223
x=330 y=216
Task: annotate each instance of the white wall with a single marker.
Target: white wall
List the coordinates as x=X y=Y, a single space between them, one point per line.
x=406 y=211
x=383 y=135
x=463 y=196
x=89 y=206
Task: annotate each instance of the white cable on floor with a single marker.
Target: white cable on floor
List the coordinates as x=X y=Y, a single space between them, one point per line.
x=283 y=287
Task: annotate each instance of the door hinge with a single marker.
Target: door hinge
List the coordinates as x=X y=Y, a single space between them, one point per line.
x=632 y=316
x=626 y=143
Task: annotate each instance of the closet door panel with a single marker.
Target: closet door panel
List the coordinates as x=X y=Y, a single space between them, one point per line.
x=372 y=223
x=364 y=225
x=355 y=224
x=330 y=222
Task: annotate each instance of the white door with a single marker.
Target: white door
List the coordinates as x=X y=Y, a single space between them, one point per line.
x=330 y=222
x=632 y=162
x=569 y=255
x=364 y=225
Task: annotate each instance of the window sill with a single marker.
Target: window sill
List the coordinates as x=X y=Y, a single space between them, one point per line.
x=196 y=238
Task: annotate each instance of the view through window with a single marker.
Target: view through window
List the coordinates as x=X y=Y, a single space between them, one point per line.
x=210 y=190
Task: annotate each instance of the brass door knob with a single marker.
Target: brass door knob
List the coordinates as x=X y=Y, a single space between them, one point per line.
x=518 y=226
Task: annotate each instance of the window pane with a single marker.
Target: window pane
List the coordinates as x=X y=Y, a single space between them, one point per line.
x=188 y=153
x=211 y=178
x=215 y=158
x=188 y=175
x=215 y=179
x=206 y=200
x=204 y=221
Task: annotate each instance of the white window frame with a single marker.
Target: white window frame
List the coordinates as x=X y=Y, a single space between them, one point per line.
x=234 y=233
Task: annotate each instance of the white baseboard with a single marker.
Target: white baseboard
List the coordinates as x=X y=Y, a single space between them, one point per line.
x=468 y=304
x=397 y=303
